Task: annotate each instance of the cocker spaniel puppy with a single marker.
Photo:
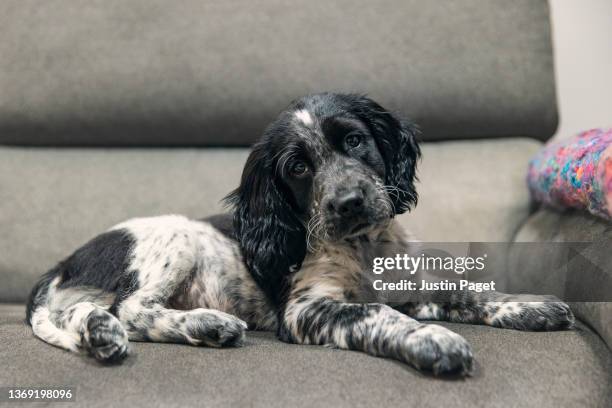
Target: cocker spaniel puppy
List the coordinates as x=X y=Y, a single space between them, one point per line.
x=316 y=203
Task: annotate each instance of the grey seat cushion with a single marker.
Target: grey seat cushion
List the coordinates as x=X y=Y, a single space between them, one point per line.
x=54 y=200
x=150 y=72
x=558 y=369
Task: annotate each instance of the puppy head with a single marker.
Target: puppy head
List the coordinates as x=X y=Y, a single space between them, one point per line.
x=331 y=167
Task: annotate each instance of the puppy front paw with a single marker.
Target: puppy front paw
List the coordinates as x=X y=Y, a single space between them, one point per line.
x=547 y=315
x=439 y=350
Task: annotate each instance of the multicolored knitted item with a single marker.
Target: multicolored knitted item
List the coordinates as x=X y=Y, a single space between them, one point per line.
x=575 y=173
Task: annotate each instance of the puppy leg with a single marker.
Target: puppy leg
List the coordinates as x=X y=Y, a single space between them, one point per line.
x=198 y=327
x=164 y=258
x=313 y=318
x=519 y=312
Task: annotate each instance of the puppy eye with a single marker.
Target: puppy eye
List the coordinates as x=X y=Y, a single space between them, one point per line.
x=299 y=168
x=352 y=140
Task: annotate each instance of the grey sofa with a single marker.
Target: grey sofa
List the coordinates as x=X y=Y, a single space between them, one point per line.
x=114 y=109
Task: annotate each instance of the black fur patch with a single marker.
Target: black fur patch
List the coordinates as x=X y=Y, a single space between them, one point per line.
x=100 y=263
x=38 y=295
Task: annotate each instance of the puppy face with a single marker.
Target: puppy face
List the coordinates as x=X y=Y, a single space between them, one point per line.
x=332 y=164
x=333 y=170
x=330 y=167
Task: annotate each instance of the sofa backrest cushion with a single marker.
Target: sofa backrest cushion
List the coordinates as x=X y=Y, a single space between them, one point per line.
x=207 y=73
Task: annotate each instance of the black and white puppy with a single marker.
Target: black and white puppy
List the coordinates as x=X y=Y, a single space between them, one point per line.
x=316 y=202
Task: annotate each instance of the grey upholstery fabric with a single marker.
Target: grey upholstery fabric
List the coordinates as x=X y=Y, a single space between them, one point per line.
x=153 y=72
x=472 y=190
x=55 y=200
x=586 y=276
x=518 y=369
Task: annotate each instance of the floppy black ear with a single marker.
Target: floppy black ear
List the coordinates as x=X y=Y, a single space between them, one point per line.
x=271 y=237
x=402 y=154
x=397 y=141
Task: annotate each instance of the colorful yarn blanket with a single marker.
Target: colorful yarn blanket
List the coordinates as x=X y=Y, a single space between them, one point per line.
x=575 y=173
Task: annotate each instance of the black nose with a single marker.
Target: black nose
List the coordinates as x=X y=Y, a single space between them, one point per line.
x=349 y=204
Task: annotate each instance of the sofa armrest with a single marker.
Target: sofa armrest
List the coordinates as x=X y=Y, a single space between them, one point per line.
x=573 y=261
